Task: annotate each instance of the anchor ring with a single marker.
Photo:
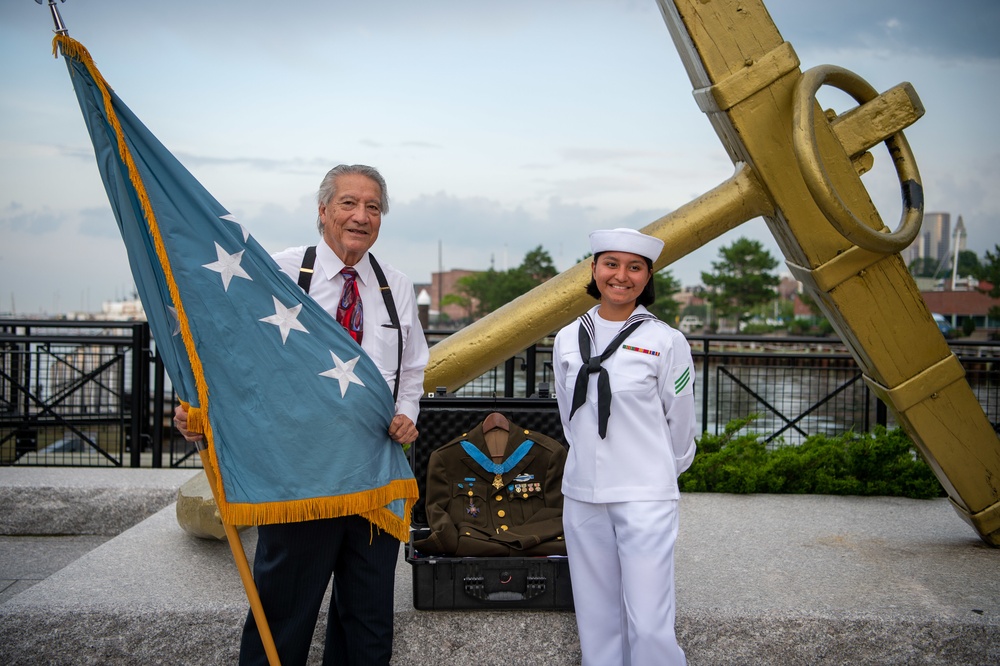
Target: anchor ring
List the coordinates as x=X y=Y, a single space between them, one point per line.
x=818 y=181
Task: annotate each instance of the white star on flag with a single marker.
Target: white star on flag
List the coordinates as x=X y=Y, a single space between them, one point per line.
x=285 y=319
x=343 y=372
x=177 y=321
x=228 y=266
x=232 y=218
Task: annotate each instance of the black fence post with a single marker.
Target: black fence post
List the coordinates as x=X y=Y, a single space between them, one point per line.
x=158 y=386
x=866 y=416
x=140 y=394
x=704 y=384
x=146 y=435
x=881 y=413
x=508 y=377
x=529 y=371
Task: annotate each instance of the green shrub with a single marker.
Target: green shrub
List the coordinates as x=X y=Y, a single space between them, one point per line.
x=882 y=462
x=757 y=329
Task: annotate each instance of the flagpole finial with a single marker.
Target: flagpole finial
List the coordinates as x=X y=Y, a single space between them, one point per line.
x=56 y=18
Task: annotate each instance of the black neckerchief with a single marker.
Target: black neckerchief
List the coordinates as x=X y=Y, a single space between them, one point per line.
x=592 y=364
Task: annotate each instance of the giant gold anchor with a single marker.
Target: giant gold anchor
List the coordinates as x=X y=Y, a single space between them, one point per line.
x=799 y=170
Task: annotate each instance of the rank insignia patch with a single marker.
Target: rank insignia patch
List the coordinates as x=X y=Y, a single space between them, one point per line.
x=682 y=378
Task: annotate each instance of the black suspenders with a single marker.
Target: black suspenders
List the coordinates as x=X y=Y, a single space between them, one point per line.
x=306 y=270
x=305 y=279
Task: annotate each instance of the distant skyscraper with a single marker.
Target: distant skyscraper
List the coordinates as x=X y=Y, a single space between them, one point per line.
x=933 y=241
x=936 y=228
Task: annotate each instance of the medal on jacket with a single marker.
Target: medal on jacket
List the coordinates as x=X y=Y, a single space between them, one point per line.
x=498 y=469
x=472 y=509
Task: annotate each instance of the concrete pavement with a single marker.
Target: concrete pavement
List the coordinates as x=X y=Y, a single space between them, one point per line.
x=761 y=579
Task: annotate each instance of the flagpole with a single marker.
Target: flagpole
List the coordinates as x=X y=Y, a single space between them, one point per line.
x=235 y=544
x=56 y=18
x=240 y=557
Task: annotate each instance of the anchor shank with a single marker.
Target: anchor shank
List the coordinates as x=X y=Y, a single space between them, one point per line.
x=484 y=344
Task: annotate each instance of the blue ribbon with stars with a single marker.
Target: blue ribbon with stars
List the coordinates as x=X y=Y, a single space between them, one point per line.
x=498 y=468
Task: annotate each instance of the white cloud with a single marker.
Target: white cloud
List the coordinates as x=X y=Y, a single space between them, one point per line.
x=498 y=128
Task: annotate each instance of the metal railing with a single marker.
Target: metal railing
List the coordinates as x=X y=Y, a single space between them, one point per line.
x=802 y=386
x=95 y=394
x=796 y=386
x=74 y=392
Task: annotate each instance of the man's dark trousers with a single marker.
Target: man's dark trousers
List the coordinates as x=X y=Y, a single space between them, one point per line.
x=292 y=569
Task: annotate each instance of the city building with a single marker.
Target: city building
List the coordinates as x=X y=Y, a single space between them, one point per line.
x=959 y=306
x=933 y=241
x=441 y=285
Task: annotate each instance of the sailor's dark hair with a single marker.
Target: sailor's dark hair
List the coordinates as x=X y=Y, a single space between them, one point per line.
x=646 y=298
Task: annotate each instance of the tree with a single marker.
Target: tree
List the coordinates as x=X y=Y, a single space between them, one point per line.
x=665 y=307
x=929 y=267
x=700 y=311
x=990 y=272
x=925 y=267
x=487 y=291
x=460 y=299
x=740 y=281
x=538 y=265
x=968 y=263
x=811 y=303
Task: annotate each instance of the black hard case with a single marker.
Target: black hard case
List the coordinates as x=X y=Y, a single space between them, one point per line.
x=487 y=583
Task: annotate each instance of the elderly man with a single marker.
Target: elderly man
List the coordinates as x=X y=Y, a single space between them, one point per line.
x=294 y=561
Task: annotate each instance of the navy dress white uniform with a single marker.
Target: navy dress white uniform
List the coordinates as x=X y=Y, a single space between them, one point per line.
x=620 y=490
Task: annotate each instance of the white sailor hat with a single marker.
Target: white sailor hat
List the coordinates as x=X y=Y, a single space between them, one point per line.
x=626 y=240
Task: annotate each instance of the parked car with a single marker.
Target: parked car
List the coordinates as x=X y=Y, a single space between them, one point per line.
x=690 y=323
x=947 y=330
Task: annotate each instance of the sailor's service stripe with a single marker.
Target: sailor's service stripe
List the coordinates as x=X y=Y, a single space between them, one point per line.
x=682 y=381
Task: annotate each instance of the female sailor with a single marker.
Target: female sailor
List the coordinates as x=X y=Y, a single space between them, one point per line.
x=624 y=385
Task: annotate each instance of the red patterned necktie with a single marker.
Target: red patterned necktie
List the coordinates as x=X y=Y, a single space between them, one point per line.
x=349 y=312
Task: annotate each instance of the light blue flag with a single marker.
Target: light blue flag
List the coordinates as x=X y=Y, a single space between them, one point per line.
x=296 y=415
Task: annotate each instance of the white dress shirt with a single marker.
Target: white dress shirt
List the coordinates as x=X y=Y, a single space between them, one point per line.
x=379 y=341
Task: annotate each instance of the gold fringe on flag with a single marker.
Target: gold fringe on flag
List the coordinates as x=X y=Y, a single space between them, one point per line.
x=370 y=504
x=74 y=49
x=195 y=418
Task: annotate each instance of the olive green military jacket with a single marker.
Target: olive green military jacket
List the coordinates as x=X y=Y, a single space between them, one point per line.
x=476 y=509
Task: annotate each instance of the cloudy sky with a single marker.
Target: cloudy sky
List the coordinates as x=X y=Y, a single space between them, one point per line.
x=498 y=126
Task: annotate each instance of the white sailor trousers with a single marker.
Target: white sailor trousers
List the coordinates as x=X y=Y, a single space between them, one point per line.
x=621 y=561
